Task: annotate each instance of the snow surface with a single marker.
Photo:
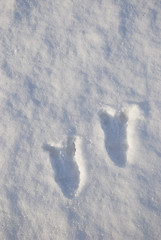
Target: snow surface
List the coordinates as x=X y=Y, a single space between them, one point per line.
x=80 y=119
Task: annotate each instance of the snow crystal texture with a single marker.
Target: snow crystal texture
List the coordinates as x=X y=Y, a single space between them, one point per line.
x=80 y=119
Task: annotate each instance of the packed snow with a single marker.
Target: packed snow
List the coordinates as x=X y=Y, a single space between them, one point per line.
x=80 y=119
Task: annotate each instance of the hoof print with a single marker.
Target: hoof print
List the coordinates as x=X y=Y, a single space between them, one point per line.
x=66 y=171
x=115 y=131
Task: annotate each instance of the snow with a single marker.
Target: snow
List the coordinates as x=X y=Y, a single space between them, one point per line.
x=80 y=121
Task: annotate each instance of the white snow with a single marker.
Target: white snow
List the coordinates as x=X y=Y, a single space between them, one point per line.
x=80 y=119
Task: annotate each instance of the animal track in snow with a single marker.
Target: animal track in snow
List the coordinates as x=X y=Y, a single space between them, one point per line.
x=115 y=130
x=66 y=166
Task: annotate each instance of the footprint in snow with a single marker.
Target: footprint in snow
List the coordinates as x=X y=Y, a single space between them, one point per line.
x=115 y=130
x=66 y=171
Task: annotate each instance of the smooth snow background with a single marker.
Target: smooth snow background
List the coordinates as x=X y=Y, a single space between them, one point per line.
x=62 y=62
